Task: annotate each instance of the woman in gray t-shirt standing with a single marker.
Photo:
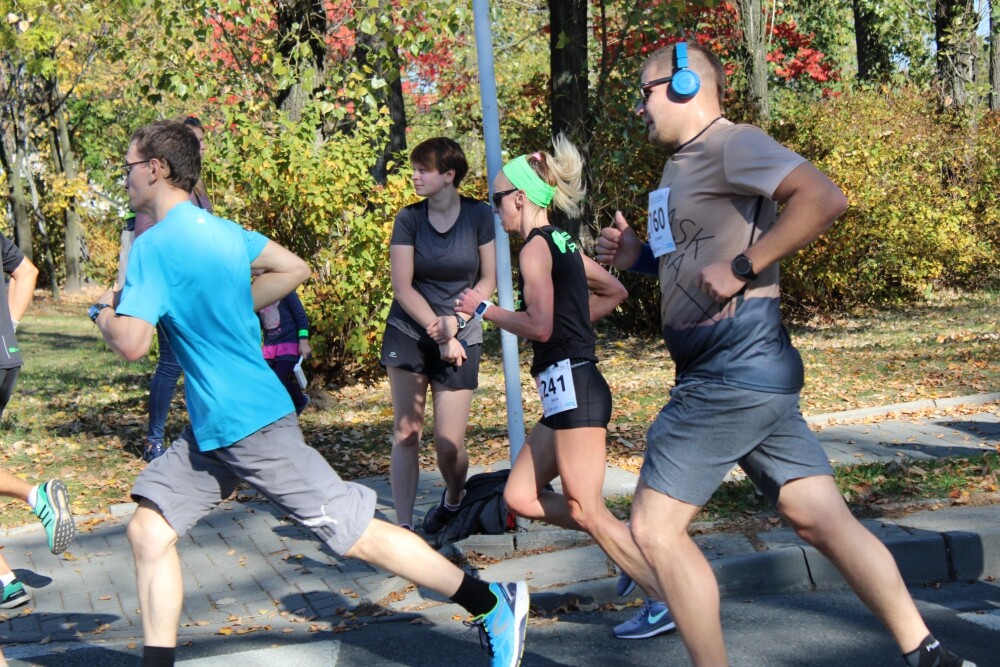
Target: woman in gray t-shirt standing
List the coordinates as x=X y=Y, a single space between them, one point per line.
x=440 y=247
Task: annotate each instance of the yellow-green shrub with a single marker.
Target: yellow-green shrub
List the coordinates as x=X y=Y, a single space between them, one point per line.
x=318 y=199
x=917 y=185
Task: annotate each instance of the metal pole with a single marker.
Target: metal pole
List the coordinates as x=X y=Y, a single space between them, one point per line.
x=494 y=162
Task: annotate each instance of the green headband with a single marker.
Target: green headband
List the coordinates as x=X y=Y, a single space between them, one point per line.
x=520 y=173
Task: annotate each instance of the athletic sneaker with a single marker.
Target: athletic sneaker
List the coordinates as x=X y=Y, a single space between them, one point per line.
x=154 y=450
x=52 y=507
x=625 y=585
x=438 y=517
x=652 y=619
x=501 y=631
x=14 y=595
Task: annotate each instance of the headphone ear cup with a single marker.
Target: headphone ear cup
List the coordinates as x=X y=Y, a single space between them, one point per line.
x=685 y=84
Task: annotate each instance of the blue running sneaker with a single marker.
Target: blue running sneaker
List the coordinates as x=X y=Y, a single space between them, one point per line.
x=625 y=584
x=14 y=595
x=52 y=507
x=653 y=618
x=501 y=631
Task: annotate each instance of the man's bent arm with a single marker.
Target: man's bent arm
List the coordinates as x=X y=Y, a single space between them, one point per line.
x=22 y=288
x=811 y=203
x=130 y=337
x=283 y=272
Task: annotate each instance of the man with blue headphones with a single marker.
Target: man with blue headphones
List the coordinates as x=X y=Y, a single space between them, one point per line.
x=714 y=241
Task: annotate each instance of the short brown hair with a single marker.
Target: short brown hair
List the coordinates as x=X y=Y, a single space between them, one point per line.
x=441 y=154
x=175 y=145
x=705 y=63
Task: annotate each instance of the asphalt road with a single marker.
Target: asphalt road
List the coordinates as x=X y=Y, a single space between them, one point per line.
x=819 y=629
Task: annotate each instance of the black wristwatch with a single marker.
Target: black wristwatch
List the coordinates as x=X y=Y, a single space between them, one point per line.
x=461 y=321
x=743 y=268
x=95 y=310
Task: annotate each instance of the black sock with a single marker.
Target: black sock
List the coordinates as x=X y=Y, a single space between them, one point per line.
x=158 y=656
x=475 y=595
x=930 y=653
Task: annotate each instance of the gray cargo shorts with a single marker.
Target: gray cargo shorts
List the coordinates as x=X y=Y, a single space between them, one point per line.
x=186 y=483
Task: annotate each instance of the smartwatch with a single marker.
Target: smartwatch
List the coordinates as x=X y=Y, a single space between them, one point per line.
x=481 y=309
x=743 y=268
x=95 y=310
x=461 y=321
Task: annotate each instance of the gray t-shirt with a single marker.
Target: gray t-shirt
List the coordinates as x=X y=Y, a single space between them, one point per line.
x=443 y=264
x=721 y=186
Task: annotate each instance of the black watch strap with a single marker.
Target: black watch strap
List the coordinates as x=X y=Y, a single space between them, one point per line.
x=96 y=309
x=743 y=268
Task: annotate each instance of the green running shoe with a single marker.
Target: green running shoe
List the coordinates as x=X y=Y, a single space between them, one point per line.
x=14 y=595
x=52 y=507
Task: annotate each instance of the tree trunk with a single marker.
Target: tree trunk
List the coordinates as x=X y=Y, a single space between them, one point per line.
x=957 y=43
x=74 y=250
x=301 y=23
x=994 y=55
x=43 y=234
x=18 y=197
x=874 y=59
x=569 y=93
x=376 y=55
x=752 y=22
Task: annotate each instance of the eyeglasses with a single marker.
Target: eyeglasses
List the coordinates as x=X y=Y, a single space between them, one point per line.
x=646 y=89
x=127 y=167
x=498 y=197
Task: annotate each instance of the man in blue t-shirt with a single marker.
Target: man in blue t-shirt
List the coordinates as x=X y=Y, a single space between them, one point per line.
x=191 y=274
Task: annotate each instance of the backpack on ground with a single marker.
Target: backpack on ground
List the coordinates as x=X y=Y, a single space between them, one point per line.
x=482 y=510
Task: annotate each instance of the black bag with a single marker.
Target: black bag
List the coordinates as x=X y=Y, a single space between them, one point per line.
x=482 y=510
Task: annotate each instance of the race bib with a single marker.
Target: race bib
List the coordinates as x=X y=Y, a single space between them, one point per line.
x=555 y=387
x=661 y=240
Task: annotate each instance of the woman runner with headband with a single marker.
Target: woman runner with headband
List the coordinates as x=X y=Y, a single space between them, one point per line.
x=562 y=292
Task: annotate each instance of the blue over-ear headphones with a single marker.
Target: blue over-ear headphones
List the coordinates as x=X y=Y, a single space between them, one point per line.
x=685 y=83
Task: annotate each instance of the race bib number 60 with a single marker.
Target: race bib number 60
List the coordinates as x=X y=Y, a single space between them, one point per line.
x=555 y=387
x=661 y=240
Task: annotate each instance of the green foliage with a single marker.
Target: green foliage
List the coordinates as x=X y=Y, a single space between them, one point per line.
x=318 y=199
x=911 y=224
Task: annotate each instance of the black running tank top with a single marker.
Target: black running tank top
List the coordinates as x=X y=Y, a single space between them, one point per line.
x=572 y=333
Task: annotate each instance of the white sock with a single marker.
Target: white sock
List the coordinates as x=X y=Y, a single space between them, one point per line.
x=33 y=497
x=6 y=579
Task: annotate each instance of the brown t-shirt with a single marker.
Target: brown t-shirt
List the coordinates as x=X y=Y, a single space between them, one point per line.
x=721 y=186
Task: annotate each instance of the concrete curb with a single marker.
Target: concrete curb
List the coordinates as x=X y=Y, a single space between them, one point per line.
x=924 y=558
x=912 y=406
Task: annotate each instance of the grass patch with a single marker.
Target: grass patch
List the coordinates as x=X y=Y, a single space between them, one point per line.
x=79 y=412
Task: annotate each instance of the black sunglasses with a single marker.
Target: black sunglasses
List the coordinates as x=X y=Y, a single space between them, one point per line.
x=498 y=197
x=646 y=89
x=127 y=167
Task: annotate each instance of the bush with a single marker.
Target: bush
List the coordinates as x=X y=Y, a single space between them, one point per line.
x=920 y=199
x=317 y=198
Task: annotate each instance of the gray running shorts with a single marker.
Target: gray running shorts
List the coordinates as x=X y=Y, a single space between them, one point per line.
x=186 y=483
x=708 y=428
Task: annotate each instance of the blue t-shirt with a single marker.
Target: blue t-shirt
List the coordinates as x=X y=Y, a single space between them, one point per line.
x=191 y=274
